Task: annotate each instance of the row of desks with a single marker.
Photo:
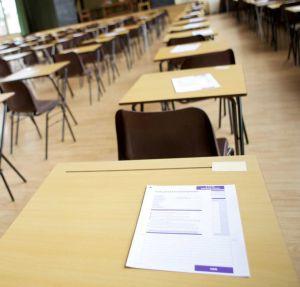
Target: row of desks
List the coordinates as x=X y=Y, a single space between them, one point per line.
x=77 y=228
x=158 y=87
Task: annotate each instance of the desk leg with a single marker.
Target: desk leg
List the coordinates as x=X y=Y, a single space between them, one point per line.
x=241 y=125
x=258 y=11
x=2 y=156
x=62 y=97
x=234 y=125
x=160 y=66
x=64 y=106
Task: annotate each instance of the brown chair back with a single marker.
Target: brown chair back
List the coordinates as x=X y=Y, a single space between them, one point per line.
x=208 y=60
x=185 y=40
x=23 y=101
x=5 y=69
x=173 y=134
x=31 y=59
x=75 y=68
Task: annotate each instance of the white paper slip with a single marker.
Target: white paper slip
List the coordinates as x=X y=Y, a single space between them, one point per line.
x=195 y=13
x=192 y=26
x=120 y=29
x=195 y=229
x=194 y=83
x=195 y=20
x=229 y=166
x=203 y=32
x=111 y=34
x=185 y=48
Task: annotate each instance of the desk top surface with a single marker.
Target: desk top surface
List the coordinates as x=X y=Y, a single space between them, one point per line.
x=187 y=27
x=34 y=72
x=185 y=34
x=77 y=229
x=14 y=57
x=82 y=50
x=189 y=21
x=157 y=87
x=9 y=50
x=165 y=53
x=293 y=9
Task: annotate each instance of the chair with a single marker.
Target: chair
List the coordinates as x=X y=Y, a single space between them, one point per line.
x=85 y=16
x=208 y=60
x=25 y=104
x=77 y=68
x=173 y=134
x=175 y=64
x=214 y=59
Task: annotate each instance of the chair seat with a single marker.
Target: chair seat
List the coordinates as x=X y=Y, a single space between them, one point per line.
x=43 y=106
x=223 y=146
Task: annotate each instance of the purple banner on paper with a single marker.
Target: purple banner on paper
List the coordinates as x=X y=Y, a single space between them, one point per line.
x=211 y=187
x=217 y=269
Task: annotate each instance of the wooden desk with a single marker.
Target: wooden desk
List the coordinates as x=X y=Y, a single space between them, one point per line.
x=165 y=54
x=33 y=72
x=9 y=51
x=48 y=70
x=77 y=228
x=293 y=9
x=158 y=88
x=82 y=50
x=190 y=21
x=179 y=35
x=175 y=29
x=14 y=57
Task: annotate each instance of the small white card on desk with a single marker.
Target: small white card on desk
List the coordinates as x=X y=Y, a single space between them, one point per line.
x=195 y=20
x=195 y=83
x=229 y=166
x=192 y=26
x=185 y=48
x=203 y=32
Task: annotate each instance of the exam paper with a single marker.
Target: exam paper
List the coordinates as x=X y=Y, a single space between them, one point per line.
x=194 y=83
x=195 y=20
x=203 y=32
x=192 y=26
x=185 y=48
x=194 y=229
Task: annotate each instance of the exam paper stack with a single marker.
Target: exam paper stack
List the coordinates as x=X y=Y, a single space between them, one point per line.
x=185 y=48
x=195 y=83
x=192 y=26
x=203 y=32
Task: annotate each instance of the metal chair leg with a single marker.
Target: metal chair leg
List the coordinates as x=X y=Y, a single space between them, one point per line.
x=90 y=88
x=11 y=132
x=47 y=136
x=36 y=126
x=14 y=168
x=220 y=113
x=7 y=186
x=17 y=129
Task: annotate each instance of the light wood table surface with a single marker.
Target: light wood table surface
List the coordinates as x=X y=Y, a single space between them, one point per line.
x=179 y=35
x=36 y=71
x=165 y=54
x=77 y=228
x=158 y=88
x=190 y=21
x=175 y=29
x=9 y=51
x=82 y=50
x=293 y=9
x=14 y=57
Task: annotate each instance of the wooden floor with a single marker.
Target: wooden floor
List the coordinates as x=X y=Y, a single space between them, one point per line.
x=272 y=114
